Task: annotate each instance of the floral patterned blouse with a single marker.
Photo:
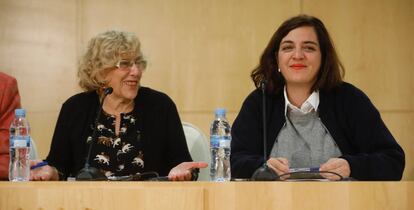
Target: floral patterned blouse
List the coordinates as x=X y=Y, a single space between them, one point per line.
x=120 y=155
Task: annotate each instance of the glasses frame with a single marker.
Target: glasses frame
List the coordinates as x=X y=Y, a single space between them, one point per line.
x=140 y=63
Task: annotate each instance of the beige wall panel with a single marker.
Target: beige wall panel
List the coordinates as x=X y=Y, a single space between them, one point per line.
x=37 y=46
x=375 y=39
x=401 y=125
x=43 y=124
x=200 y=52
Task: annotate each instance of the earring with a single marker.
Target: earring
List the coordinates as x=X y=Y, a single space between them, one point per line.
x=278 y=69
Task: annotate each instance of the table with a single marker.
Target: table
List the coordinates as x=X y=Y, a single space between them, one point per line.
x=207 y=195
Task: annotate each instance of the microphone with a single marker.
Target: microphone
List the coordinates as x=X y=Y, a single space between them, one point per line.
x=88 y=173
x=264 y=173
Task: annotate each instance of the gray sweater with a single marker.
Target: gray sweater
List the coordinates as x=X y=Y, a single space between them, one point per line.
x=304 y=141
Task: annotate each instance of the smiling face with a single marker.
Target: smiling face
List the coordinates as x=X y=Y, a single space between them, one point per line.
x=299 y=57
x=125 y=80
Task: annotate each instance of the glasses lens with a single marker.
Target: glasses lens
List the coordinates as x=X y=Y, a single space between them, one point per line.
x=125 y=64
x=141 y=64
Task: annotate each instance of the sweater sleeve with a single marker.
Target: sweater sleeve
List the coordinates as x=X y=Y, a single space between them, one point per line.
x=177 y=145
x=9 y=101
x=246 y=150
x=60 y=154
x=378 y=156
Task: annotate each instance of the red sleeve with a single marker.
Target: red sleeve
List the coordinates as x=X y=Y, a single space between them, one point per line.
x=9 y=101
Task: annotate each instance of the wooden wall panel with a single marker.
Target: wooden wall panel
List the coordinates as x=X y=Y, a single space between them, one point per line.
x=401 y=126
x=374 y=40
x=37 y=46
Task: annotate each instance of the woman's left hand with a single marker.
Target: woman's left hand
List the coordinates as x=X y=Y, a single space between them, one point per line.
x=337 y=165
x=182 y=172
x=44 y=173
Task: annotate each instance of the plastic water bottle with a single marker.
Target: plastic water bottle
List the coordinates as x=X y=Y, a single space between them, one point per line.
x=19 y=168
x=220 y=138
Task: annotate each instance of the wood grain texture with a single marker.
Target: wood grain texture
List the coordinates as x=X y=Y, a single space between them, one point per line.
x=207 y=195
x=401 y=125
x=374 y=40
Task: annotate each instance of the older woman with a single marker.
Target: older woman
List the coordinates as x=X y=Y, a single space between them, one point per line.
x=315 y=120
x=138 y=130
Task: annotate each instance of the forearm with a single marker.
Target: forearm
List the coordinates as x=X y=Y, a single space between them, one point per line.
x=376 y=166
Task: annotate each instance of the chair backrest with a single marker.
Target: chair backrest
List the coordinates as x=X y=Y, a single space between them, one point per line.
x=33 y=150
x=197 y=144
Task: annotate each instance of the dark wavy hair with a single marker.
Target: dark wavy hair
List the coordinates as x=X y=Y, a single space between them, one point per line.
x=331 y=71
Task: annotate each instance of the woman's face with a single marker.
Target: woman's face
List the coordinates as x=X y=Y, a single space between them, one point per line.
x=125 y=78
x=299 y=57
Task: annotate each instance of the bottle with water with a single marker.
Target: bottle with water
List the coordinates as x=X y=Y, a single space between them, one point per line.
x=19 y=168
x=220 y=138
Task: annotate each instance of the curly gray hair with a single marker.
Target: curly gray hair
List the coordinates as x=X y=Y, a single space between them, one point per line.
x=103 y=52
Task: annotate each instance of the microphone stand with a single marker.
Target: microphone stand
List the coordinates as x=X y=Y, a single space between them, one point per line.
x=88 y=173
x=264 y=173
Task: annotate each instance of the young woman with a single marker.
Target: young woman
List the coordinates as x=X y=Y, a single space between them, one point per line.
x=314 y=119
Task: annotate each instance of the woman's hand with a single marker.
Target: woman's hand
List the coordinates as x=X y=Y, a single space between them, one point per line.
x=337 y=165
x=280 y=166
x=182 y=172
x=44 y=173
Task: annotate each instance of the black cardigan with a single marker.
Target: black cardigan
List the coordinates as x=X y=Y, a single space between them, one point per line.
x=350 y=117
x=162 y=134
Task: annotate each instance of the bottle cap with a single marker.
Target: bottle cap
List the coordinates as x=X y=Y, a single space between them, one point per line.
x=220 y=112
x=20 y=113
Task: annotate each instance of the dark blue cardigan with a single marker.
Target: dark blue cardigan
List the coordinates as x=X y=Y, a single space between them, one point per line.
x=350 y=117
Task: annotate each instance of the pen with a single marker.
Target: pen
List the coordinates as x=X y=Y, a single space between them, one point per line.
x=43 y=163
x=312 y=169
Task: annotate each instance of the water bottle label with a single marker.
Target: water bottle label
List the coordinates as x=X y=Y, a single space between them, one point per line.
x=214 y=142
x=224 y=143
x=20 y=142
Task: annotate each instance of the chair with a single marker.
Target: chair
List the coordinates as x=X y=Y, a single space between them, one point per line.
x=33 y=150
x=197 y=144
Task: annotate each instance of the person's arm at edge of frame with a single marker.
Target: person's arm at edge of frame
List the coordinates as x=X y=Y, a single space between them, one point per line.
x=9 y=101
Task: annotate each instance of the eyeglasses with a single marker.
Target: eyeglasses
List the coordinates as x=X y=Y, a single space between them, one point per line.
x=140 y=63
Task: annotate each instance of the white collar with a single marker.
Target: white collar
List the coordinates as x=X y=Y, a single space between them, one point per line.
x=311 y=103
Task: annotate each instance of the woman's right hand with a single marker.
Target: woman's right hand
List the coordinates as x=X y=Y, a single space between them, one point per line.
x=280 y=166
x=182 y=172
x=44 y=173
